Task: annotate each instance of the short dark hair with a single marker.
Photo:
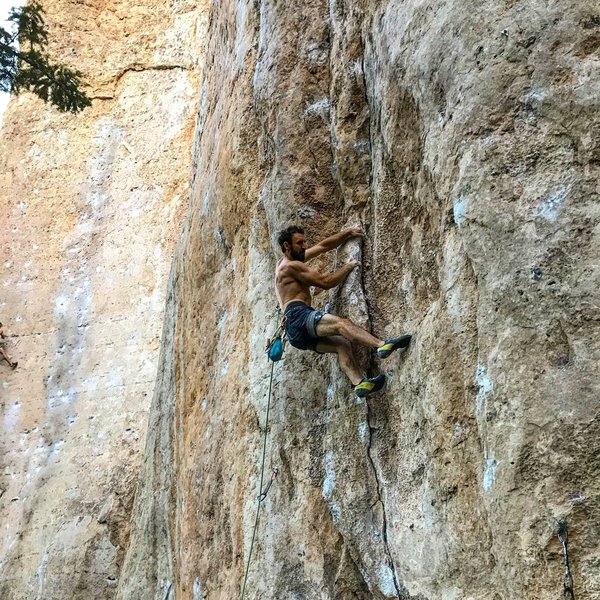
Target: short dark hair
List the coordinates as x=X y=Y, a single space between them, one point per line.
x=286 y=235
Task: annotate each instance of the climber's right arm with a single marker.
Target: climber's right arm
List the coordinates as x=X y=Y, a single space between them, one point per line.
x=307 y=276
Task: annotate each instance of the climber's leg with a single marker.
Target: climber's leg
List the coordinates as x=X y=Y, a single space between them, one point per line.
x=332 y=325
x=363 y=386
x=341 y=346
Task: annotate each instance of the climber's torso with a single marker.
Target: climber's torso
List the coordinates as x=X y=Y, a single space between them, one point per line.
x=288 y=288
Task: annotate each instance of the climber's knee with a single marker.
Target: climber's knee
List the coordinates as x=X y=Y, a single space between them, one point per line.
x=344 y=346
x=335 y=344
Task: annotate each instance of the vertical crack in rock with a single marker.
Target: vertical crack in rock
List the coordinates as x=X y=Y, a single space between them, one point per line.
x=332 y=112
x=349 y=125
x=400 y=591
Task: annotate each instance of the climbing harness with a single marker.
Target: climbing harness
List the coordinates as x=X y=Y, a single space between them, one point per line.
x=563 y=538
x=275 y=352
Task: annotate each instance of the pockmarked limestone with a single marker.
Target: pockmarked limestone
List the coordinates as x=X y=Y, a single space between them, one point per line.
x=463 y=138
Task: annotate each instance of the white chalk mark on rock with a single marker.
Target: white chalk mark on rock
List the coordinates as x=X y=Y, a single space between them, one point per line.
x=489 y=474
x=484 y=386
x=385 y=581
x=319 y=108
x=550 y=207
x=459 y=211
x=329 y=481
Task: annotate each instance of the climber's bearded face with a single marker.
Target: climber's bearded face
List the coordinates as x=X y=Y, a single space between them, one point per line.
x=298 y=247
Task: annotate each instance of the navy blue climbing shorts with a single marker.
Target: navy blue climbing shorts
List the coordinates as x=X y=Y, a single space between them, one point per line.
x=301 y=325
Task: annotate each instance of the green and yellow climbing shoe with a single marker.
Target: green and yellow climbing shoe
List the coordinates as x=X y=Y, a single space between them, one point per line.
x=369 y=385
x=393 y=344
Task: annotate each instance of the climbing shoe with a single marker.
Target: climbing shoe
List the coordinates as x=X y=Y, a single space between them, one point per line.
x=393 y=344
x=14 y=365
x=369 y=385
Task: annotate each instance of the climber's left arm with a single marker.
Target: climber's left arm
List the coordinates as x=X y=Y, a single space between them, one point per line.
x=332 y=242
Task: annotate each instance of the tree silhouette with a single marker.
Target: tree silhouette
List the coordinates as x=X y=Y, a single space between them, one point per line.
x=24 y=64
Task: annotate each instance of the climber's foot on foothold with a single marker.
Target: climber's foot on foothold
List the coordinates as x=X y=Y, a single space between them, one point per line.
x=13 y=366
x=369 y=385
x=393 y=344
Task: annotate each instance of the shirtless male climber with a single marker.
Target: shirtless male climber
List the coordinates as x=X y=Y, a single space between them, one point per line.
x=11 y=364
x=310 y=329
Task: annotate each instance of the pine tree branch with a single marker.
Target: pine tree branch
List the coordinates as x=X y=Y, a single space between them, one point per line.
x=54 y=83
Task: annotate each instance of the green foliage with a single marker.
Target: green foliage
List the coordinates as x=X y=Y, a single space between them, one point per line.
x=24 y=64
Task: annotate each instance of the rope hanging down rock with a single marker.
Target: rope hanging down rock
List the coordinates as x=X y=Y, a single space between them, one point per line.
x=263 y=493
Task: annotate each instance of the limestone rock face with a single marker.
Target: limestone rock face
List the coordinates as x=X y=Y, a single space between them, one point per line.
x=463 y=138
x=91 y=206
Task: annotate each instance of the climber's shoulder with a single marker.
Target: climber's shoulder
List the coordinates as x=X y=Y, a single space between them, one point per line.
x=292 y=268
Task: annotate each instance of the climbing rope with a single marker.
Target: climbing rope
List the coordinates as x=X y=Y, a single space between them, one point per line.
x=563 y=538
x=263 y=493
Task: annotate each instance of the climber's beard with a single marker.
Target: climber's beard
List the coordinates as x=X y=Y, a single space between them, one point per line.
x=298 y=255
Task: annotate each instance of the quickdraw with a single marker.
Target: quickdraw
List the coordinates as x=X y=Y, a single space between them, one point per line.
x=563 y=538
x=264 y=493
